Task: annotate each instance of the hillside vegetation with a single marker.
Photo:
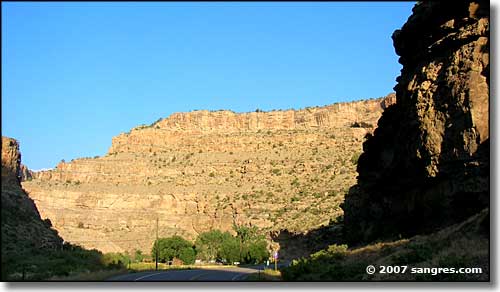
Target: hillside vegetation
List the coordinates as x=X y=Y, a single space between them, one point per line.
x=463 y=245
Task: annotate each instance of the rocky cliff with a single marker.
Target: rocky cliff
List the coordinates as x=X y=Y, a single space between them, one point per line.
x=427 y=164
x=22 y=227
x=173 y=129
x=25 y=173
x=209 y=170
x=11 y=161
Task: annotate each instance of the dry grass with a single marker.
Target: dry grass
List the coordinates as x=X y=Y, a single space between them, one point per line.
x=463 y=245
x=266 y=275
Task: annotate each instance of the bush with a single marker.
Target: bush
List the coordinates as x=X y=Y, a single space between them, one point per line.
x=325 y=265
x=355 y=158
x=361 y=125
x=416 y=253
x=42 y=264
x=115 y=260
x=138 y=256
x=276 y=171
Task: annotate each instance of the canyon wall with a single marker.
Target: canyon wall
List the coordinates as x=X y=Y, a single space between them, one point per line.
x=22 y=228
x=427 y=163
x=206 y=170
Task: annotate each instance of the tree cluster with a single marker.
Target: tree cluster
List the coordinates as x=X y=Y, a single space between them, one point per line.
x=247 y=246
x=174 y=247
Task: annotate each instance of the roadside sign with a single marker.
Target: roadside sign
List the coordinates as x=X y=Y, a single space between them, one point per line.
x=275 y=255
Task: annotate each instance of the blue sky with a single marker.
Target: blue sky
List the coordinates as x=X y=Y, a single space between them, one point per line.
x=76 y=74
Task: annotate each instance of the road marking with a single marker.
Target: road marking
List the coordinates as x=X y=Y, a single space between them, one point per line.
x=143 y=277
x=198 y=276
x=239 y=275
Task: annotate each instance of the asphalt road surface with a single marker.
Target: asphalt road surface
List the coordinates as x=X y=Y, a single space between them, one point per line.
x=214 y=274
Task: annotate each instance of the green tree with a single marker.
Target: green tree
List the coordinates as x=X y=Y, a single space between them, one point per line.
x=138 y=256
x=170 y=247
x=248 y=233
x=253 y=247
x=208 y=244
x=187 y=255
x=230 y=250
x=257 y=251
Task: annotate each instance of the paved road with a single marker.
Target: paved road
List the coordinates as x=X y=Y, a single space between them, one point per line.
x=214 y=274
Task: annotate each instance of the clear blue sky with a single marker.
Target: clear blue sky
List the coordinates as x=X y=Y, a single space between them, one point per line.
x=76 y=74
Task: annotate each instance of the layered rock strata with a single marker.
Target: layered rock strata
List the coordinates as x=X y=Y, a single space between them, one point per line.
x=209 y=170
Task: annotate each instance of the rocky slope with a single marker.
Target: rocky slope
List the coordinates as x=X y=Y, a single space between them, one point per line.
x=209 y=170
x=459 y=246
x=22 y=228
x=427 y=164
x=28 y=226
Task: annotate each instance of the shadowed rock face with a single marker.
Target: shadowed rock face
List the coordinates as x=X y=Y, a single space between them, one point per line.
x=22 y=227
x=427 y=164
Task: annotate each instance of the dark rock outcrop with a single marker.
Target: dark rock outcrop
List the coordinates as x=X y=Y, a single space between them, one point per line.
x=22 y=228
x=427 y=164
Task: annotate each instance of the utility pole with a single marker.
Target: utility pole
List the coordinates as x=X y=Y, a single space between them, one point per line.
x=156 y=243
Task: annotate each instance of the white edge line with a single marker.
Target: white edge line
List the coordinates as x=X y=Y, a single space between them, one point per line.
x=143 y=277
x=239 y=275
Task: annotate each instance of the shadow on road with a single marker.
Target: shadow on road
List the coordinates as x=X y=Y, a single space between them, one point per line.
x=226 y=274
